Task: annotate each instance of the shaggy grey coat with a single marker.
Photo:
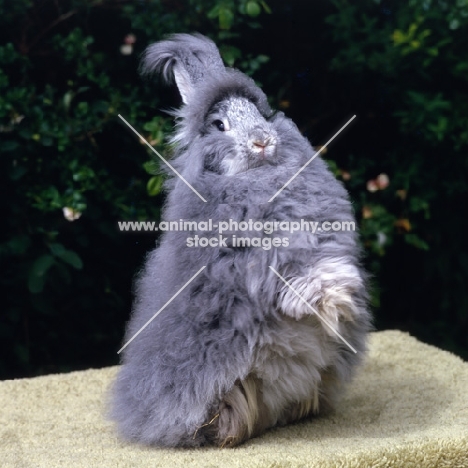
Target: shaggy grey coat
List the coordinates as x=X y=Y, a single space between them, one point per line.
x=238 y=351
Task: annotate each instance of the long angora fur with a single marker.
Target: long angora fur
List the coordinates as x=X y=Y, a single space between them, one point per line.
x=238 y=351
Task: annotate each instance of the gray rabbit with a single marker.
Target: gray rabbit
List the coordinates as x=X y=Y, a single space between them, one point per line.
x=261 y=336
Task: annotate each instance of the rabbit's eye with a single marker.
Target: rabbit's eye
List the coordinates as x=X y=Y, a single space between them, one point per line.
x=219 y=125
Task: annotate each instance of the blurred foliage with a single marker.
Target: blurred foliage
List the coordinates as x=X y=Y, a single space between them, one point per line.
x=407 y=63
x=70 y=168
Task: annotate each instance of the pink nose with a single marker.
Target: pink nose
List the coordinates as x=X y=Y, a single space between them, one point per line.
x=260 y=146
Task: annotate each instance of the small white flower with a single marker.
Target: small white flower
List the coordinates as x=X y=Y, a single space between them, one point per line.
x=17 y=119
x=381 y=238
x=70 y=214
x=345 y=175
x=126 y=49
x=382 y=181
x=130 y=39
x=372 y=186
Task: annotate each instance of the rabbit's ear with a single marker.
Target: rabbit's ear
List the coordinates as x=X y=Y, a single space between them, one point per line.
x=184 y=84
x=189 y=58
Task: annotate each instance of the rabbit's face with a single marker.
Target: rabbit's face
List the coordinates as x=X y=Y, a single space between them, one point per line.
x=238 y=137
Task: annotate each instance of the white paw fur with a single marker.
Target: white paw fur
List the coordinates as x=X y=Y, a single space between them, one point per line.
x=327 y=290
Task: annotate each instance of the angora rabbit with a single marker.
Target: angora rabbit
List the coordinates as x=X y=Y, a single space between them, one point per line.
x=238 y=350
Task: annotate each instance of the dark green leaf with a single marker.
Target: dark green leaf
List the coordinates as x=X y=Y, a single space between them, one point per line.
x=253 y=8
x=226 y=17
x=16 y=172
x=154 y=185
x=72 y=259
x=9 y=145
x=57 y=249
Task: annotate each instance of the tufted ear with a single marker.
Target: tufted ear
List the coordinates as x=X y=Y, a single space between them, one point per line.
x=186 y=57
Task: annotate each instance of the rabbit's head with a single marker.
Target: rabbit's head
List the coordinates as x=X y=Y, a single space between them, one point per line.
x=223 y=109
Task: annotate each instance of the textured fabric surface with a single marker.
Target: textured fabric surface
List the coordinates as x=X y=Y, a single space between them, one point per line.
x=407 y=407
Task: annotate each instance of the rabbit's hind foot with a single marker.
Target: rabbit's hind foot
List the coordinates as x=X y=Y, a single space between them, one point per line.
x=241 y=415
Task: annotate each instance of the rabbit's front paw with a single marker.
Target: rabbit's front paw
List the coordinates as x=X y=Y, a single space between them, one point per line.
x=326 y=290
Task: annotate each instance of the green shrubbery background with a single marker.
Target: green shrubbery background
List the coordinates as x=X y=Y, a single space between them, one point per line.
x=68 y=67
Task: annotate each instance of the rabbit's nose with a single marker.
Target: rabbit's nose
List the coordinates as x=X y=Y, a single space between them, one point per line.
x=259 y=147
x=262 y=143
